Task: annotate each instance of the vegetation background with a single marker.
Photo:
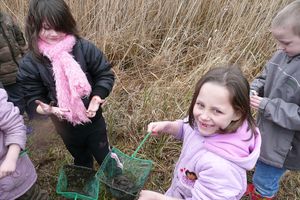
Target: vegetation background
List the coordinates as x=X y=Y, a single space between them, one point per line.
x=159 y=49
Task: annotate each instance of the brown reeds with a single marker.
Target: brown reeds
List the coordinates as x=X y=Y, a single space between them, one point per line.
x=159 y=49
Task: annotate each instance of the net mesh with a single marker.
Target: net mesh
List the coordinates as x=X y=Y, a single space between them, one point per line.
x=124 y=181
x=76 y=182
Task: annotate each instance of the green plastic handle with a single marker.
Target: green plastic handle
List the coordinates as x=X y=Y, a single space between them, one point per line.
x=22 y=153
x=75 y=197
x=141 y=144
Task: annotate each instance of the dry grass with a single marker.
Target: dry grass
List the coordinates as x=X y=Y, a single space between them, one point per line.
x=159 y=49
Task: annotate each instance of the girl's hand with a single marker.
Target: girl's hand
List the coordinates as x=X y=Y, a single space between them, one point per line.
x=46 y=109
x=169 y=127
x=157 y=127
x=9 y=163
x=150 y=195
x=255 y=101
x=94 y=106
x=7 y=167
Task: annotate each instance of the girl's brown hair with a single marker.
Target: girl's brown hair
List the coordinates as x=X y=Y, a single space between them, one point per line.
x=233 y=79
x=55 y=13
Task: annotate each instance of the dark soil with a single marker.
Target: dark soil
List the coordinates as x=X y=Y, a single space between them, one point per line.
x=48 y=154
x=123 y=187
x=79 y=178
x=122 y=182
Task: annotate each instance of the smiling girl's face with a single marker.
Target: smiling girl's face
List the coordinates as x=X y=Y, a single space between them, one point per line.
x=213 y=110
x=49 y=35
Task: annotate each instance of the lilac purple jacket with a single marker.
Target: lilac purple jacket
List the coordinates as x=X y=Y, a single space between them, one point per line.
x=13 y=131
x=214 y=167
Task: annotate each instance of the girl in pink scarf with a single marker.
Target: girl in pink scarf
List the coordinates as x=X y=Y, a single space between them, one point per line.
x=67 y=78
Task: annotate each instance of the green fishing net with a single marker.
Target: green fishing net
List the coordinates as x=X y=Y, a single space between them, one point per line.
x=124 y=176
x=76 y=182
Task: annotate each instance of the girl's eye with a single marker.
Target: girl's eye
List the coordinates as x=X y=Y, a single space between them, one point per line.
x=285 y=43
x=218 y=111
x=200 y=105
x=47 y=28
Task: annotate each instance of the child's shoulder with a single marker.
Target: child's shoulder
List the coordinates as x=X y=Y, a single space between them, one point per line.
x=3 y=94
x=86 y=45
x=7 y=19
x=190 y=133
x=84 y=42
x=278 y=56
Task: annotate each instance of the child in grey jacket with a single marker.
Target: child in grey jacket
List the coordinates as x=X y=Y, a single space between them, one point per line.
x=17 y=173
x=277 y=100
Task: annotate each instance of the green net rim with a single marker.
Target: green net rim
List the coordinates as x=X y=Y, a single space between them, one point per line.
x=76 y=195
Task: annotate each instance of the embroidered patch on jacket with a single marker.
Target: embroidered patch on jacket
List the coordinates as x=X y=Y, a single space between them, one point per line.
x=188 y=177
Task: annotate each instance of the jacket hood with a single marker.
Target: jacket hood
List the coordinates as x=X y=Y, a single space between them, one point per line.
x=236 y=147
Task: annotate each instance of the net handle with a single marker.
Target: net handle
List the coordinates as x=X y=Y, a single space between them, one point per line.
x=141 y=144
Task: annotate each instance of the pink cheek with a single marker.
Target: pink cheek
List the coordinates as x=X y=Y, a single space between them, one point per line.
x=43 y=34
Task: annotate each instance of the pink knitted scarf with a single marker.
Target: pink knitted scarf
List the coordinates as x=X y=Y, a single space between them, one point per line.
x=71 y=82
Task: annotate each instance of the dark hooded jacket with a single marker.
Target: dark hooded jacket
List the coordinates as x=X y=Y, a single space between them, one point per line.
x=38 y=82
x=12 y=47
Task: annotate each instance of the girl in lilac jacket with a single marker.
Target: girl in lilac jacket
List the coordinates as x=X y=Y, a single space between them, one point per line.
x=17 y=173
x=220 y=140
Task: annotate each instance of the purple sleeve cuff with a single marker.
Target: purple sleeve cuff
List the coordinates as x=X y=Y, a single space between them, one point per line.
x=180 y=133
